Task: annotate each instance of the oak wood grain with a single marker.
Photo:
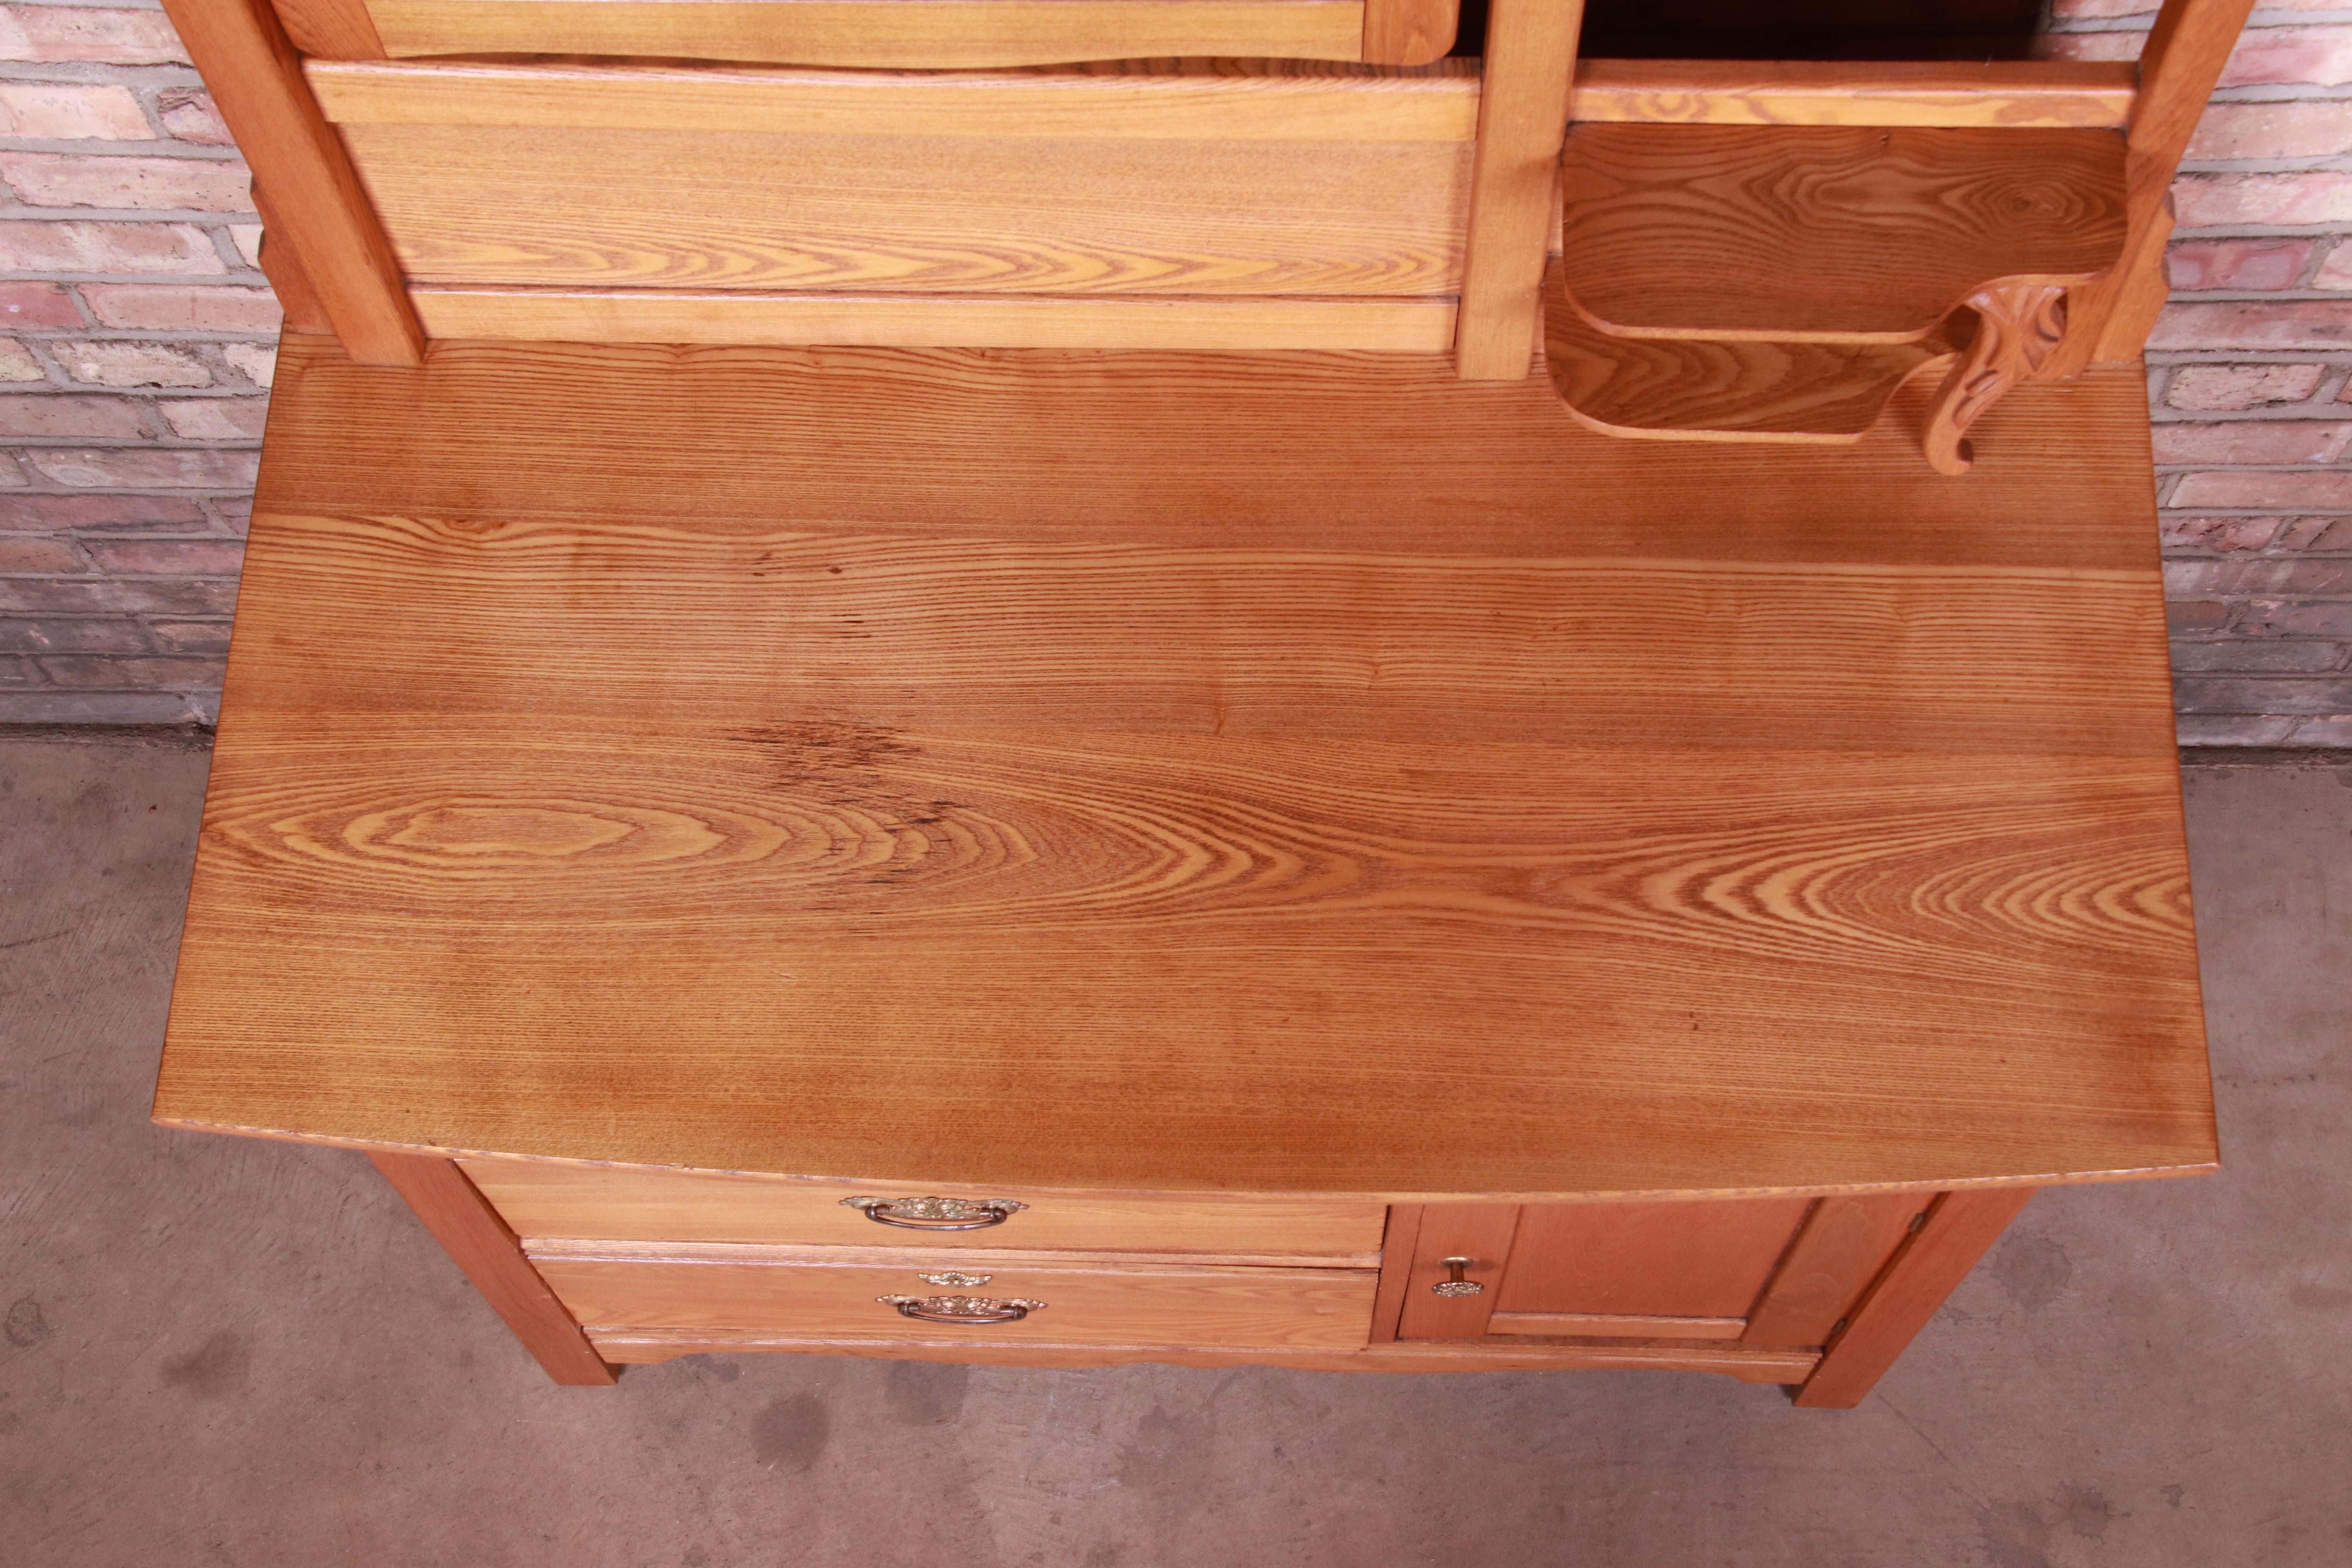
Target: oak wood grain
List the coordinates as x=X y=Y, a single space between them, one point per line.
x=1409 y=32
x=1171 y=101
x=1959 y=1226
x=463 y=1221
x=1689 y=1261
x=880 y=34
x=1844 y=234
x=255 y=77
x=2082 y=94
x=595 y=207
x=330 y=29
x=1749 y=1364
x=542 y=1199
x=1731 y=390
x=1227 y=323
x=1422 y=798
x=1844 y=1244
x=815 y=1293
x=1522 y=117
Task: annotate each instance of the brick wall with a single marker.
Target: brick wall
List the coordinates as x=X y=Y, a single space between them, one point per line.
x=135 y=363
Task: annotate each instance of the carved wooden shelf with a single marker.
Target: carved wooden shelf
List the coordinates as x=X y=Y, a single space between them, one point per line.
x=1780 y=282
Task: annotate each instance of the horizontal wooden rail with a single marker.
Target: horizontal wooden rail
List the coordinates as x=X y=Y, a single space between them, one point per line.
x=2066 y=94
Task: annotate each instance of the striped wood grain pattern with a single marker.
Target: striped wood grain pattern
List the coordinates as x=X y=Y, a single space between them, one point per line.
x=594 y=208
x=1742 y=390
x=1845 y=234
x=1279 y=773
x=1690 y=1260
x=1175 y=101
x=877 y=33
x=1229 y=323
x=2084 y=94
x=548 y=1198
x=1615 y=1325
x=770 y=1290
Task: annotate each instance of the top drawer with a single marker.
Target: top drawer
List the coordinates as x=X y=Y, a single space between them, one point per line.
x=542 y=1200
x=904 y=34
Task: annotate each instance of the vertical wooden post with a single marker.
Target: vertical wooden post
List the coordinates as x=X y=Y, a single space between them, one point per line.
x=2179 y=67
x=463 y=1221
x=1958 y=1228
x=255 y=77
x=1522 y=121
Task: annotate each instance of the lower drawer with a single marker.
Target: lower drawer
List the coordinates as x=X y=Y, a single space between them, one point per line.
x=838 y=1293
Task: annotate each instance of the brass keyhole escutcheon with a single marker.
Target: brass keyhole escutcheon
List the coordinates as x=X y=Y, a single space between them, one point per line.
x=1454 y=1284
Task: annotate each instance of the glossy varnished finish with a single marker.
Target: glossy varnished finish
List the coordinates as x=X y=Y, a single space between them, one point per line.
x=1282 y=773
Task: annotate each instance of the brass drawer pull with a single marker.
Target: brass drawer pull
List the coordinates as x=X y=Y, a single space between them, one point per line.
x=937 y=1214
x=962 y=1308
x=1454 y=1284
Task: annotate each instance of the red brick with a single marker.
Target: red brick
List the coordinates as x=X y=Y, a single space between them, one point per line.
x=87 y=180
x=2239 y=656
x=2250 y=131
x=2335 y=272
x=2079 y=10
x=2321 y=56
x=133 y=673
x=2239 y=264
x=2269 y=695
x=2267 y=441
x=2297 y=576
x=258 y=360
x=2232 y=730
x=2123 y=46
x=77 y=245
x=64 y=111
x=72 y=636
x=2254 y=324
x=182 y=308
x=16 y=670
x=17 y=364
x=2309 y=489
x=2222 y=535
x=2196 y=614
x=217 y=419
x=169 y=557
x=2311 y=618
x=142 y=467
x=103 y=595
x=212 y=636
x=2332 y=730
x=39 y=555
x=36 y=305
x=131 y=364
x=2216 y=388
x=53 y=514
x=88 y=32
x=188 y=112
x=2227 y=201
x=70 y=418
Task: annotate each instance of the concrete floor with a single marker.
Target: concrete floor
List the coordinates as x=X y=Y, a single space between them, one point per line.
x=229 y=1352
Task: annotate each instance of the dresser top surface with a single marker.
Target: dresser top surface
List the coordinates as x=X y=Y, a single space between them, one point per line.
x=1145 y=771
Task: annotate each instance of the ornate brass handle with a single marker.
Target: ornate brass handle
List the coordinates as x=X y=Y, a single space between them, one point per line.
x=962 y=1308
x=937 y=1214
x=1454 y=1284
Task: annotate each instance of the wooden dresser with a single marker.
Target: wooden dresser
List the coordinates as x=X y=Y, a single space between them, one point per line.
x=1038 y=714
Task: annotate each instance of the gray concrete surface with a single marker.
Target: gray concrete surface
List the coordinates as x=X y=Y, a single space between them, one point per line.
x=228 y=1352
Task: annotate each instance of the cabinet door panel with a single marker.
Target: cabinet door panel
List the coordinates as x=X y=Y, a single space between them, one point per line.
x=1674 y=1259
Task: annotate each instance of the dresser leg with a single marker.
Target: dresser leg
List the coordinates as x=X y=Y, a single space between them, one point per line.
x=1958 y=1228
x=463 y=1221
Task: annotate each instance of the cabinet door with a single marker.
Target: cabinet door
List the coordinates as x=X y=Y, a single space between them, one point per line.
x=1769 y=1271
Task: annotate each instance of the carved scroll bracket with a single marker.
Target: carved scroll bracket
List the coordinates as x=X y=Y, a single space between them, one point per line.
x=2018 y=327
